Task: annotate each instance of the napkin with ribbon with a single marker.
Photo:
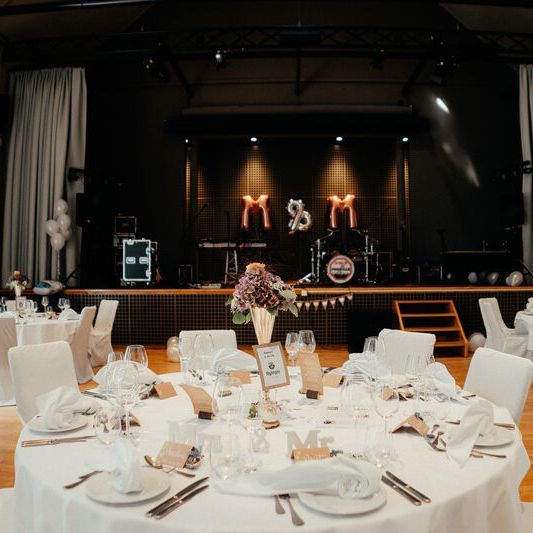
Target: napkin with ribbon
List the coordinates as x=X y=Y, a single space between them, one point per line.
x=233 y=359
x=441 y=379
x=307 y=476
x=146 y=376
x=57 y=407
x=122 y=462
x=363 y=362
x=68 y=314
x=477 y=420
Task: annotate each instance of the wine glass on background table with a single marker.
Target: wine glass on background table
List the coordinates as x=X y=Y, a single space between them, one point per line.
x=44 y=302
x=61 y=303
x=203 y=350
x=137 y=354
x=306 y=341
x=186 y=349
x=291 y=345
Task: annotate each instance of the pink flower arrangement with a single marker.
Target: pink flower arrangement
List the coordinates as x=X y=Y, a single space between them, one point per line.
x=258 y=287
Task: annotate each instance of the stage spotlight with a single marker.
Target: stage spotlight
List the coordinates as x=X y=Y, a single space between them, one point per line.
x=253 y=139
x=186 y=141
x=405 y=139
x=338 y=139
x=442 y=104
x=220 y=59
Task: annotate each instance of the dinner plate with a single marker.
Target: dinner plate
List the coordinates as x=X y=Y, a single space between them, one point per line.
x=37 y=424
x=333 y=504
x=498 y=436
x=155 y=482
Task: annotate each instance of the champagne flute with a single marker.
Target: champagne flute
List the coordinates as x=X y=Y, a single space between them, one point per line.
x=137 y=354
x=306 y=341
x=291 y=345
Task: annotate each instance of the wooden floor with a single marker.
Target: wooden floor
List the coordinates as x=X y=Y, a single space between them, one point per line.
x=329 y=356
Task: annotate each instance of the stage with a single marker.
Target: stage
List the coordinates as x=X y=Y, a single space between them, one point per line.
x=151 y=316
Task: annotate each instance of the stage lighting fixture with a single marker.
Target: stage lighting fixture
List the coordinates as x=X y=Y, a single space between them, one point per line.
x=156 y=68
x=442 y=104
x=338 y=139
x=405 y=139
x=220 y=59
x=186 y=141
x=253 y=139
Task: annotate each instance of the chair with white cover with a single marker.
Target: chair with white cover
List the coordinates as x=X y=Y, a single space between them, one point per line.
x=7 y=506
x=37 y=369
x=100 y=339
x=499 y=336
x=11 y=305
x=501 y=378
x=80 y=345
x=222 y=338
x=396 y=345
x=8 y=339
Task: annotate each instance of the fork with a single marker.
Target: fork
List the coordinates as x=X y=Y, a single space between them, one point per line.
x=295 y=517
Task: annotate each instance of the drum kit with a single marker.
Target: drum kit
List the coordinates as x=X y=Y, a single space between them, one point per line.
x=358 y=265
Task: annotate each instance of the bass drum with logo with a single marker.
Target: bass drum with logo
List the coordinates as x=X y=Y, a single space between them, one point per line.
x=340 y=269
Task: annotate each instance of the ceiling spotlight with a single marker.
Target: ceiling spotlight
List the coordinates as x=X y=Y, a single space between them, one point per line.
x=220 y=59
x=405 y=139
x=442 y=104
x=338 y=139
x=186 y=141
x=253 y=139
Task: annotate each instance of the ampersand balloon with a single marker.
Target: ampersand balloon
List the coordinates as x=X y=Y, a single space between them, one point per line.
x=255 y=206
x=301 y=220
x=336 y=206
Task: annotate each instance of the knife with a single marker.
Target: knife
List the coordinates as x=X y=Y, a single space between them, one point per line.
x=45 y=442
x=95 y=395
x=413 y=499
x=179 y=503
x=176 y=497
x=408 y=487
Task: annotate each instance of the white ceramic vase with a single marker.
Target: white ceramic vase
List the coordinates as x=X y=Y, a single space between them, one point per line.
x=263 y=324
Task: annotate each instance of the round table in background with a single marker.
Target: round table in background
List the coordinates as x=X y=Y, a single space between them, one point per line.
x=41 y=330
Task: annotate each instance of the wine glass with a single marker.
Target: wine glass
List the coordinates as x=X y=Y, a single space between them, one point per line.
x=61 y=303
x=49 y=311
x=107 y=423
x=227 y=398
x=306 y=341
x=291 y=345
x=386 y=401
x=114 y=356
x=203 y=348
x=137 y=354
x=186 y=349
x=44 y=302
x=66 y=303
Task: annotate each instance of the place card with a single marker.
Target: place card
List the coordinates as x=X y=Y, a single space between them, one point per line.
x=310 y=454
x=165 y=390
x=174 y=454
x=332 y=379
x=413 y=422
x=311 y=373
x=202 y=402
x=271 y=365
x=243 y=375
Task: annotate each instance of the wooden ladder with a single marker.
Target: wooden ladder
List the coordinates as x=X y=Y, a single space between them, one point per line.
x=434 y=316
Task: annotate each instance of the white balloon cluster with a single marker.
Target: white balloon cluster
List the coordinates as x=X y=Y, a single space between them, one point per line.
x=59 y=228
x=173 y=352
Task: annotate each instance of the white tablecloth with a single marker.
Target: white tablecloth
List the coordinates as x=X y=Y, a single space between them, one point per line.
x=480 y=498
x=41 y=330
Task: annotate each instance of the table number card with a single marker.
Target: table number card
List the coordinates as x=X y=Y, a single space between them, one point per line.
x=311 y=374
x=174 y=454
x=202 y=402
x=165 y=390
x=271 y=364
x=332 y=379
x=310 y=454
x=413 y=422
x=243 y=375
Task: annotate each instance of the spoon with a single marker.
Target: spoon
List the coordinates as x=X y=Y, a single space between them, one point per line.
x=155 y=463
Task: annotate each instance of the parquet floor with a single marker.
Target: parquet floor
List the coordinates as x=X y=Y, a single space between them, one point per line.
x=329 y=356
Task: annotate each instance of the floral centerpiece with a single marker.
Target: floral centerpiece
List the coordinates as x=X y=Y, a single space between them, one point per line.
x=17 y=282
x=259 y=296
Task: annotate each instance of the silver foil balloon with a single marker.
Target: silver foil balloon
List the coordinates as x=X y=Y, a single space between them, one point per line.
x=514 y=279
x=301 y=219
x=493 y=278
x=472 y=278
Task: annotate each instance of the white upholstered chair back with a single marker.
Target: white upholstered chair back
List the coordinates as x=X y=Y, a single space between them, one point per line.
x=80 y=345
x=11 y=305
x=396 y=345
x=39 y=368
x=222 y=338
x=493 y=322
x=502 y=378
x=100 y=339
x=8 y=339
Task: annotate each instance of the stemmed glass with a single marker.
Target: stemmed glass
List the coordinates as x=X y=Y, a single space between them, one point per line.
x=203 y=348
x=114 y=356
x=137 y=354
x=186 y=349
x=354 y=400
x=61 y=303
x=227 y=398
x=306 y=341
x=291 y=345
x=66 y=303
x=44 y=302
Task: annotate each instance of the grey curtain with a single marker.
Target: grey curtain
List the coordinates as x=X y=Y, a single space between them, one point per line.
x=47 y=138
x=526 y=131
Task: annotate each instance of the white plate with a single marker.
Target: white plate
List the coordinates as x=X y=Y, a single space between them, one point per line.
x=155 y=482
x=497 y=437
x=332 y=504
x=37 y=424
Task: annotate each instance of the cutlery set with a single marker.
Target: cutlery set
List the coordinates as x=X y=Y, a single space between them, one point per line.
x=404 y=489
x=48 y=442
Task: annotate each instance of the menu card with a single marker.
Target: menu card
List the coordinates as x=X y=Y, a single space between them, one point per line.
x=413 y=422
x=202 y=402
x=271 y=364
x=243 y=375
x=165 y=390
x=174 y=454
x=311 y=373
x=310 y=454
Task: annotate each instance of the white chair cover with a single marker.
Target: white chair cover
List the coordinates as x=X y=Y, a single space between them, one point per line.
x=100 y=339
x=37 y=369
x=8 y=339
x=7 y=510
x=395 y=345
x=502 y=378
x=499 y=336
x=11 y=305
x=80 y=345
x=222 y=338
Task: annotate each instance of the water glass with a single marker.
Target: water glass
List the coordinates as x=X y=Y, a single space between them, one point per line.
x=227 y=398
x=306 y=341
x=371 y=345
x=137 y=354
x=202 y=353
x=225 y=457
x=107 y=424
x=291 y=345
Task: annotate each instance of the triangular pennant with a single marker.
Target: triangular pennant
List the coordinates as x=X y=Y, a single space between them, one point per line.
x=307 y=306
x=333 y=301
x=324 y=303
x=316 y=303
x=350 y=296
x=299 y=305
x=341 y=299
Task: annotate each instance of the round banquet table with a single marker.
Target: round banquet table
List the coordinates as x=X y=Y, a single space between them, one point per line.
x=40 y=330
x=481 y=497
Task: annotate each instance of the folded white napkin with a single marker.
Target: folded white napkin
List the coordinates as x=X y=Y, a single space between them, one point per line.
x=437 y=374
x=307 y=476
x=122 y=461
x=231 y=358
x=57 y=406
x=363 y=362
x=146 y=376
x=477 y=420
x=68 y=314
x=9 y=314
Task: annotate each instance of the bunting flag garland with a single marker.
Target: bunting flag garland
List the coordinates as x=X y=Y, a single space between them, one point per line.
x=299 y=305
x=324 y=302
x=333 y=301
x=307 y=306
x=316 y=303
x=350 y=296
x=342 y=299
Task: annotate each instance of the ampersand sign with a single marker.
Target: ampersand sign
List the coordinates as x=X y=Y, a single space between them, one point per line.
x=336 y=206
x=255 y=206
x=301 y=219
